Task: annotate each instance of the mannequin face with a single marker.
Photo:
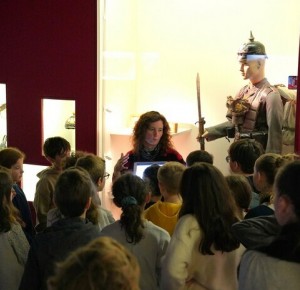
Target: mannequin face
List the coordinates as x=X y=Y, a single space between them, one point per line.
x=153 y=134
x=252 y=70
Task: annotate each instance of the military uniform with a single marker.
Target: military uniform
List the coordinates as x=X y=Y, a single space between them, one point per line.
x=263 y=120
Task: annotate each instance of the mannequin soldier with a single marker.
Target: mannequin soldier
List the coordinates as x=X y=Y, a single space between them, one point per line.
x=262 y=118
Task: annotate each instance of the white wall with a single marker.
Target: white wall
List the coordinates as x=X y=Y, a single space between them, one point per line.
x=55 y=115
x=30 y=179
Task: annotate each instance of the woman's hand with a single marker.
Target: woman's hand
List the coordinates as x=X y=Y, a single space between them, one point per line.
x=121 y=162
x=119 y=167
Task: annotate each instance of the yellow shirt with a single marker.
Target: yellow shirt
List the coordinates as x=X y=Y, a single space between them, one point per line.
x=163 y=214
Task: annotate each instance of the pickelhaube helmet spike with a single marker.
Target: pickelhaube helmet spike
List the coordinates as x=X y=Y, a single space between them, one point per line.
x=252 y=50
x=251 y=38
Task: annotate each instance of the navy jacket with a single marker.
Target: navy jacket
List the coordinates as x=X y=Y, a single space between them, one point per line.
x=20 y=202
x=53 y=245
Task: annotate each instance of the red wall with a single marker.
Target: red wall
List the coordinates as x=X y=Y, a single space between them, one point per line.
x=48 y=48
x=297 y=127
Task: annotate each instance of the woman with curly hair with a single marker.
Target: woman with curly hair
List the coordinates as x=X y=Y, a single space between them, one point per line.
x=145 y=240
x=14 y=246
x=151 y=141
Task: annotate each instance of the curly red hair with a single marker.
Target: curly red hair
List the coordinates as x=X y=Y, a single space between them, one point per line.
x=143 y=123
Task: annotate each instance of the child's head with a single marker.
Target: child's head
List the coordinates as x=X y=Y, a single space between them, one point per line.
x=129 y=185
x=199 y=156
x=169 y=177
x=130 y=193
x=12 y=158
x=206 y=196
x=102 y=264
x=56 y=149
x=73 y=191
x=72 y=159
x=241 y=190
x=95 y=166
x=265 y=169
x=242 y=155
x=150 y=177
x=287 y=197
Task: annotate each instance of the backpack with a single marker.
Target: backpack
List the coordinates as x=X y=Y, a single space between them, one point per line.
x=289 y=114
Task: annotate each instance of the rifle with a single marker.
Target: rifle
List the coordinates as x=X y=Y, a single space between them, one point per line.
x=201 y=121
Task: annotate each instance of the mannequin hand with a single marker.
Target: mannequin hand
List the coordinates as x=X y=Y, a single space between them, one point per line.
x=204 y=135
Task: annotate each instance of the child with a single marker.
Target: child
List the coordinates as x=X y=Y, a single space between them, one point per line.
x=203 y=253
x=73 y=193
x=277 y=265
x=102 y=264
x=56 y=149
x=95 y=166
x=241 y=191
x=13 y=158
x=13 y=243
x=242 y=155
x=260 y=226
x=145 y=240
x=72 y=159
x=199 y=156
x=165 y=213
x=150 y=177
x=265 y=170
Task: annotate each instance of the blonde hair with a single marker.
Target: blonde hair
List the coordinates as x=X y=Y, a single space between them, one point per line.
x=291 y=157
x=102 y=264
x=170 y=175
x=93 y=164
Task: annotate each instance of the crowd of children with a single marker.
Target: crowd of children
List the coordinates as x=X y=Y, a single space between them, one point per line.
x=182 y=226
